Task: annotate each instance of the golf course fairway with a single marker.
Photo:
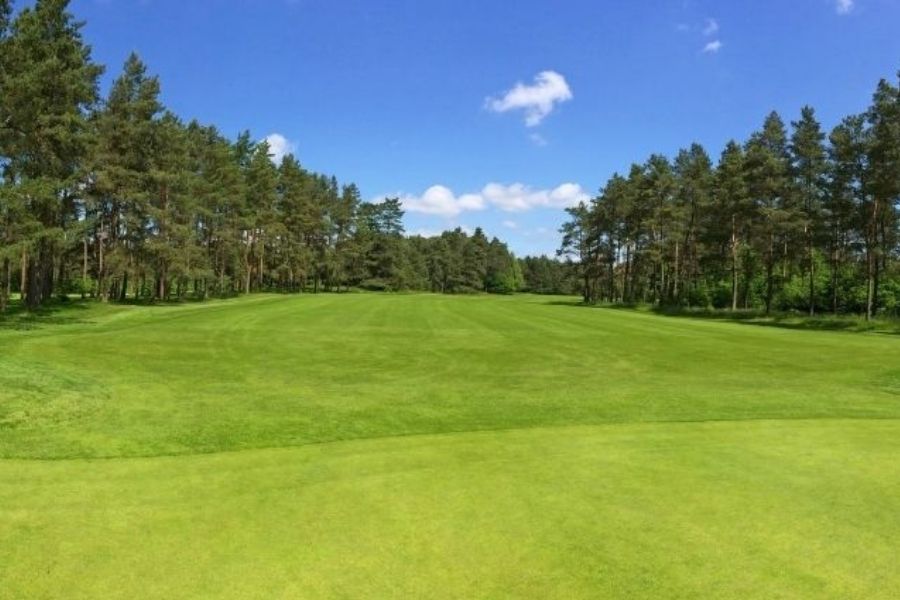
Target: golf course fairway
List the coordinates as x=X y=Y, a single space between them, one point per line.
x=425 y=446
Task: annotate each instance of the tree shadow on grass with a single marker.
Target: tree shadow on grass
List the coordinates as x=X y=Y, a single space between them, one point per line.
x=55 y=313
x=74 y=311
x=847 y=323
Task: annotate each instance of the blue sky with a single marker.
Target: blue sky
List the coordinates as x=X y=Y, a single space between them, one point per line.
x=419 y=98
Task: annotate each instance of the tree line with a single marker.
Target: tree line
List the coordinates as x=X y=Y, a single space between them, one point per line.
x=792 y=219
x=119 y=199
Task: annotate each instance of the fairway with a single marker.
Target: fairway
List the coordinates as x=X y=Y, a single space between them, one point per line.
x=362 y=445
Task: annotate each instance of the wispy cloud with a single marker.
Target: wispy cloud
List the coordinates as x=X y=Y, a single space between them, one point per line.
x=279 y=147
x=843 y=7
x=510 y=224
x=712 y=47
x=708 y=29
x=537 y=100
x=711 y=27
x=537 y=139
x=439 y=200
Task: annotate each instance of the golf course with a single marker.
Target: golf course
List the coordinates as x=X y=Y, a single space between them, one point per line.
x=419 y=445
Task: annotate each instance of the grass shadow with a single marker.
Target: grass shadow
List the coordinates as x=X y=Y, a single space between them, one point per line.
x=846 y=323
x=58 y=312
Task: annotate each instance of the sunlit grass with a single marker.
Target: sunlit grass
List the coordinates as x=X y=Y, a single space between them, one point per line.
x=432 y=446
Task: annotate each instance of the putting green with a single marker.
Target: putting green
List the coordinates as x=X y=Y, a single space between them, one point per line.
x=428 y=446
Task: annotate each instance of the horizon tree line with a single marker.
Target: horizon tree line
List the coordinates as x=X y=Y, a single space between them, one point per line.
x=119 y=199
x=791 y=219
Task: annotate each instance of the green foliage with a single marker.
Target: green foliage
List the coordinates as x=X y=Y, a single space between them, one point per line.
x=543 y=275
x=155 y=208
x=783 y=222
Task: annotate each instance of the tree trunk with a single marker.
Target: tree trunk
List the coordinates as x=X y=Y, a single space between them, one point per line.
x=161 y=290
x=734 y=264
x=835 y=241
x=812 y=272
x=40 y=276
x=260 y=274
x=247 y=269
x=675 y=276
x=101 y=267
x=770 y=267
x=870 y=262
x=870 y=283
x=6 y=282
x=784 y=263
x=84 y=267
x=23 y=277
x=123 y=292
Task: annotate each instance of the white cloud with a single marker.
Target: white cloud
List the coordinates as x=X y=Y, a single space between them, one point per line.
x=712 y=47
x=279 y=147
x=537 y=100
x=510 y=224
x=711 y=27
x=441 y=201
x=538 y=139
x=519 y=197
x=843 y=7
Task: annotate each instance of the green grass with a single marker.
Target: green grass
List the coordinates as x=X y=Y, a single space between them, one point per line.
x=350 y=446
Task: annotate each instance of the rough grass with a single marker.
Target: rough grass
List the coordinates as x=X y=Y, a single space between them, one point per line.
x=429 y=446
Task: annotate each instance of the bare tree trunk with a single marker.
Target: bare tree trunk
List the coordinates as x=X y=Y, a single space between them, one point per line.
x=784 y=263
x=259 y=274
x=870 y=262
x=612 y=272
x=102 y=287
x=812 y=271
x=770 y=266
x=7 y=284
x=40 y=275
x=675 y=275
x=870 y=283
x=84 y=267
x=123 y=292
x=247 y=269
x=161 y=290
x=23 y=277
x=734 y=269
x=834 y=270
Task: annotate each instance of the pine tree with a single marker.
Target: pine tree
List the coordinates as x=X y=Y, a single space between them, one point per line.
x=736 y=214
x=884 y=185
x=7 y=220
x=768 y=185
x=808 y=162
x=120 y=176
x=261 y=179
x=846 y=165
x=694 y=179
x=49 y=83
x=577 y=244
